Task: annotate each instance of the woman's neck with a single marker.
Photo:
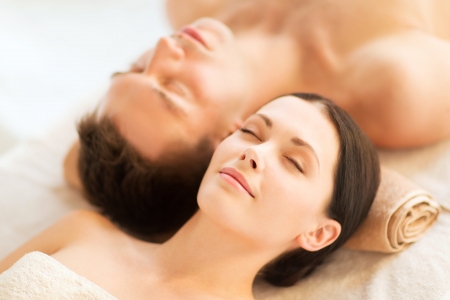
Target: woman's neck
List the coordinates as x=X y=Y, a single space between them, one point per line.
x=204 y=257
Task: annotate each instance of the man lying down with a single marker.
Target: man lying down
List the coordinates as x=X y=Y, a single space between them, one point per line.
x=142 y=154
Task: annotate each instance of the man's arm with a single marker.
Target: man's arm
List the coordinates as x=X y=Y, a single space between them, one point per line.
x=398 y=90
x=71 y=167
x=183 y=12
x=75 y=226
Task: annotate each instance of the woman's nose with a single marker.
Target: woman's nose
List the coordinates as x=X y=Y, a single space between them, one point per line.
x=252 y=162
x=251 y=157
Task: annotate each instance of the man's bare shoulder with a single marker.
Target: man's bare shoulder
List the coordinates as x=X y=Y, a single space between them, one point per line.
x=395 y=88
x=86 y=224
x=75 y=228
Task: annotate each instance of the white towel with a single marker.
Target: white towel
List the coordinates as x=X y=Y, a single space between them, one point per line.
x=39 y=276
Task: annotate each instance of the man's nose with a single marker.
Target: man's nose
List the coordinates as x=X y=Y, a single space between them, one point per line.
x=169 y=47
x=167 y=53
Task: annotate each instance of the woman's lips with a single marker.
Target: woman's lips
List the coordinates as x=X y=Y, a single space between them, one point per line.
x=236 y=179
x=192 y=32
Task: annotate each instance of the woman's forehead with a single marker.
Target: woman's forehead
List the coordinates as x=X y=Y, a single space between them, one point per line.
x=294 y=117
x=295 y=110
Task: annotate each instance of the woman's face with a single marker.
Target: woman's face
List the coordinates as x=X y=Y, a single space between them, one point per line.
x=192 y=85
x=272 y=180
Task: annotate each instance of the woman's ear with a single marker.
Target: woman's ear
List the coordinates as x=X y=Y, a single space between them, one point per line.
x=321 y=237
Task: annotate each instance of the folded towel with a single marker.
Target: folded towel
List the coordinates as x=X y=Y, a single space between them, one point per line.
x=39 y=276
x=400 y=215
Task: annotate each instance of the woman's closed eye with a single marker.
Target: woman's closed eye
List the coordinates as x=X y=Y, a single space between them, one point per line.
x=295 y=163
x=246 y=130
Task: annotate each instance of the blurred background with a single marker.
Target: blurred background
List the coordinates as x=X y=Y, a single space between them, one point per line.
x=55 y=53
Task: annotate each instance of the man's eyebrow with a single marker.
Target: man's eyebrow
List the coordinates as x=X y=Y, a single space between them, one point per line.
x=266 y=120
x=117 y=73
x=171 y=104
x=299 y=142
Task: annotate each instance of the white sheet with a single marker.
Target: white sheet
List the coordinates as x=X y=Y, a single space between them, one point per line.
x=33 y=195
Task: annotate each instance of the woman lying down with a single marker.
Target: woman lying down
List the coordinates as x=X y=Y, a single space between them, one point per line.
x=279 y=195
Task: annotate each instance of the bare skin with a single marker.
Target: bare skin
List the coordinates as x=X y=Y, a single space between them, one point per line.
x=247 y=216
x=386 y=62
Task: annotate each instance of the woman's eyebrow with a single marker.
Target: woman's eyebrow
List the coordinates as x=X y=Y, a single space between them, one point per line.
x=299 y=142
x=266 y=120
x=295 y=140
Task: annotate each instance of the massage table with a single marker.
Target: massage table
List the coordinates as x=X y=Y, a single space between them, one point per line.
x=33 y=195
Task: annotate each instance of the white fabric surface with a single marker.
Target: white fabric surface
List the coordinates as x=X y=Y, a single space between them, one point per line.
x=53 y=53
x=37 y=276
x=33 y=195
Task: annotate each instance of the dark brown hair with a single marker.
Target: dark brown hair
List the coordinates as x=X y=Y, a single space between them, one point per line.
x=356 y=180
x=144 y=197
x=154 y=197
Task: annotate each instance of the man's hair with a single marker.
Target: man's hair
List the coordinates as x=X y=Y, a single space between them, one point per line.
x=144 y=197
x=356 y=180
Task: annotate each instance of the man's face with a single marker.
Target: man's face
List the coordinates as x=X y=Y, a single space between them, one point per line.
x=192 y=85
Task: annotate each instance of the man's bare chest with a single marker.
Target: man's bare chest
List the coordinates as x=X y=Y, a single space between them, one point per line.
x=344 y=25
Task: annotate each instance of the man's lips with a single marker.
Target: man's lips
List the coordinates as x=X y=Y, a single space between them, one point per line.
x=192 y=32
x=234 y=177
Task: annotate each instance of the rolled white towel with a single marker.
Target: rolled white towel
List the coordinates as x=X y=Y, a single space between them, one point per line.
x=400 y=215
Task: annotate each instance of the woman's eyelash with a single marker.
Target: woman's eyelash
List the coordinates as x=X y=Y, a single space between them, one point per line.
x=295 y=164
x=245 y=130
